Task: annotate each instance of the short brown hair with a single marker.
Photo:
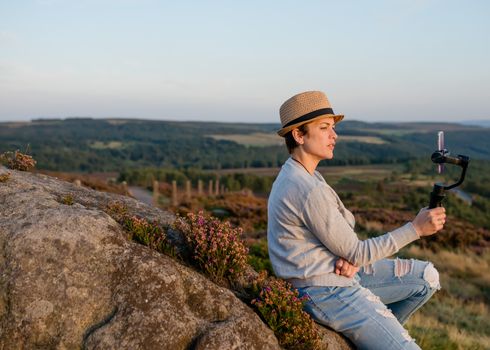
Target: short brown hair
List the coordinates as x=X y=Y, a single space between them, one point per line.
x=291 y=143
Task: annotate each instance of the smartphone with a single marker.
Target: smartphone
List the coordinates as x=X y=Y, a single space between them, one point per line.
x=440 y=147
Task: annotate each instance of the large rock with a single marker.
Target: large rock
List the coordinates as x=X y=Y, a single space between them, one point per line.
x=71 y=279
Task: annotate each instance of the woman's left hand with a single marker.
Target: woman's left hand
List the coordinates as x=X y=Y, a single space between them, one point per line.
x=345 y=268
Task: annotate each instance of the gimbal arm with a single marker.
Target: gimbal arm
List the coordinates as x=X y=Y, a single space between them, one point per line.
x=438 y=191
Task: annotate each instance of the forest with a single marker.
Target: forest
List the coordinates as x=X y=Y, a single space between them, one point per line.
x=101 y=145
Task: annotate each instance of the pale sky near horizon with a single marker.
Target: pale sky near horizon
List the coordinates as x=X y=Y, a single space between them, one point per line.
x=237 y=61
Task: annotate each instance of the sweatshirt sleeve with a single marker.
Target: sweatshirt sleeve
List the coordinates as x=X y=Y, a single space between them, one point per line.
x=323 y=218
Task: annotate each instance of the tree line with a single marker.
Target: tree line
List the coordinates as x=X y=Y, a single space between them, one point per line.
x=95 y=145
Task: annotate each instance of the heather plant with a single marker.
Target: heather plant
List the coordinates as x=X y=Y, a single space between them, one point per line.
x=282 y=309
x=18 y=161
x=215 y=246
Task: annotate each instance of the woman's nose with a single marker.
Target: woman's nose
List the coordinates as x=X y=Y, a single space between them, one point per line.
x=333 y=134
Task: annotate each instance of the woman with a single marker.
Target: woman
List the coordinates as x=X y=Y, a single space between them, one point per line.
x=351 y=286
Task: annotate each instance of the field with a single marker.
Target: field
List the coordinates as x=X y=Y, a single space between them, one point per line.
x=333 y=173
x=272 y=139
x=254 y=139
x=107 y=145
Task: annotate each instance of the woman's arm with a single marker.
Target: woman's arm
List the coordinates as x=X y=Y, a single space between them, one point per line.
x=324 y=220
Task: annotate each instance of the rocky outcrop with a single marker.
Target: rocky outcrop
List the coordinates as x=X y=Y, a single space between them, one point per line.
x=71 y=279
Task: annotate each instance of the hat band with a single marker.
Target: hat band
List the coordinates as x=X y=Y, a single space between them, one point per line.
x=309 y=116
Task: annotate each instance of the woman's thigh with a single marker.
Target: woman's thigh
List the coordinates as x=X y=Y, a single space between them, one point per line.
x=358 y=314
x=395 y=280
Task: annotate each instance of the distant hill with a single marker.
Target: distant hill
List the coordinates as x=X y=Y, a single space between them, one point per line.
x=90 y=145
x=482 y=123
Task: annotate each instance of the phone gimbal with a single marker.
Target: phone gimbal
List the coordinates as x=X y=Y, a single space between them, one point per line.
x=441 y=157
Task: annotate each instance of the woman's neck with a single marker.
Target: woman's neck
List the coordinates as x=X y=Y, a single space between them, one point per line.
x=308 y=162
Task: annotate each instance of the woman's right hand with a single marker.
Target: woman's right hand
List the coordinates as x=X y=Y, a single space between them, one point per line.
x=345 y=268
x=429 y=221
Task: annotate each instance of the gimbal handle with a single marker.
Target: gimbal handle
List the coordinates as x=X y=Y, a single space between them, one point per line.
x=436 y=196
x=438 y=192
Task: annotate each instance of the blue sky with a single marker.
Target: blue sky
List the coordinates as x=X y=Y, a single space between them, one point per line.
x=239 y=60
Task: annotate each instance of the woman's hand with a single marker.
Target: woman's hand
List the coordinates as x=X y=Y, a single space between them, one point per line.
x=429 y=221
x=345 y=268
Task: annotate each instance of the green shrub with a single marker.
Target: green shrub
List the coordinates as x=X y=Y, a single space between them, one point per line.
x=140 y=230
x=117 y=211
x=259 y=257
x=67 y=200
x=215 y=246
x=148 y=233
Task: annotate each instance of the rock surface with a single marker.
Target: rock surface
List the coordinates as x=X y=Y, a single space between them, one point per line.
x=71 y=279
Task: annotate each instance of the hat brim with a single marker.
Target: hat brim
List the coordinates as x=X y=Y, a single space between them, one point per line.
x=337 y=118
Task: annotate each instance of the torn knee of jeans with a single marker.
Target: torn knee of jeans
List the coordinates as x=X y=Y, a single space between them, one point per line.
x=368 y=269
x=431 y=276
x=402 y=267
x=385 y=313
x=373 y=298
x=407 y=336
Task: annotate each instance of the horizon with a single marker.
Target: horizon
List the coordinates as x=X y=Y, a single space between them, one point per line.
x=379 y=62
x=473 y=122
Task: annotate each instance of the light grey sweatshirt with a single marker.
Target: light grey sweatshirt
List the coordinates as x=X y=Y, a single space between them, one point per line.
x=309 y=228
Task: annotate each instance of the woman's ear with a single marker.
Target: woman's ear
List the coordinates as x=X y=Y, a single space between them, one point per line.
x=298 y=136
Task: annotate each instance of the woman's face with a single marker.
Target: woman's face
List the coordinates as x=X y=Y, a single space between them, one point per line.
x=319 y=141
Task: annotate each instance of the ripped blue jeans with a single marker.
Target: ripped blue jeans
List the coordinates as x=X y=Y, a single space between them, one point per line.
x=371 y=312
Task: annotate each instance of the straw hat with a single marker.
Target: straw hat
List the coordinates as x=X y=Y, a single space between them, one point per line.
x=304 y=108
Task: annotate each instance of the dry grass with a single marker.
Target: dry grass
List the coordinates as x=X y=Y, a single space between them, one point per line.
x=14 y=124
x=458 y=316
x=457 y=264
x=364 y=139
x=391 y=132
x=257 y=139
x=424 y=326
x=106 y=145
